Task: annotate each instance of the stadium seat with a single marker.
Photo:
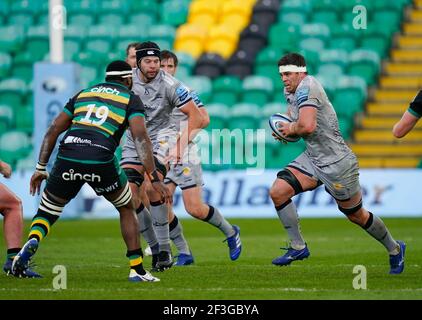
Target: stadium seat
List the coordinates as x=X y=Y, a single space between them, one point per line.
x=265 y=13
x=219 y=114
x=334 y=57
x=226 y=89
x=12 y=91
x=174 y=12
x=5 y=63
x=252 y=39
x=28 y=7
x=257 y=90
x=6 y=116
x=272 y=108
x=21 y=19
x=221 y=40
x=295 y=19
x=11 y=38
x=204 y=13
x=14 y=145
x=141 y=20
x=102 y=32
x=190 y=39
x=244 y=116
x=120 y=7
x=289 y=41
x=162 y=32
x=75 y=32
x=81 y=19
x=111 y=19
x=240 y=64
x=25 y=121
x=365 y=64
x=210 y=65
x=202 y=85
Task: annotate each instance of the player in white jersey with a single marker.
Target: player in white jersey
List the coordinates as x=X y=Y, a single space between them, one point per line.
x=160 y=93
x=188 y=177
x=327 y=160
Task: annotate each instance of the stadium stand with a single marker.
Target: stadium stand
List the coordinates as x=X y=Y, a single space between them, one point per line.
x=228 y=51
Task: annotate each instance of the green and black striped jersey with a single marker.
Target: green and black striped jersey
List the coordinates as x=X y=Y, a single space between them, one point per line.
x=415 y=106
x=100 y=115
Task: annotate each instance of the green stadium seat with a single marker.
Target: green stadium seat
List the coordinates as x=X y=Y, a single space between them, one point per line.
x=26 y=163
x=145 y=6
x=315 y=30
x=376 y=43
x=5 y=63
x=4 y=8
x=11 y=38
x=87 y=75
x=75 y=32
x=163 y=43
x=25 y=121
x=70 y=49
x=312 y=44
x=365 y=64
x=174 y=12
x=111 y=19
x=130 y=32
x=38 y=47
x=330 y=18
x=270 y=55
x=257 y=89
x=269 y=71
x=349 y=96
x=292 y=18
x=346 y=43
x=288 y=42
x=81 y=6
x=185 y=59
x=226 y=89
x=6 y=116
x=141 y=19
x=271 y=108
x=120 y=7
x=23 y=71
x=82 y=19
x=102 y=32
x=219 y=113
x=99 y=47
x=14 y=145
x=338 y=57
x=162 y=32
x=12 y=91
x=32 y=7
x=345 y=126
x=244 y=116
x=21 y=19
x=202 y=85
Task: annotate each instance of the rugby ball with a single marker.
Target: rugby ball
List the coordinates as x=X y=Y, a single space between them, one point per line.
x=275 y=121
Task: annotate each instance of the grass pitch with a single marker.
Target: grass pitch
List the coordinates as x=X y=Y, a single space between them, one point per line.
x=93 y=253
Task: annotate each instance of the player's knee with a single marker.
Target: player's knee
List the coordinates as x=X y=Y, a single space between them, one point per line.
x=279 y=194
x=355 y=214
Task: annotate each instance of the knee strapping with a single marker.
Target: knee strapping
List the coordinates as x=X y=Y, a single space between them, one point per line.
x=49 y=205
x=134 y=176
x=291 y=179
x=348 y=211
x=124 y=198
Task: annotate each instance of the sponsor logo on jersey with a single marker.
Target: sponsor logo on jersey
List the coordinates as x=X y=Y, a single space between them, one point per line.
x=75 y=176
x=113 y=187
x=72 y=139
x=108 y=90
x=182 y=93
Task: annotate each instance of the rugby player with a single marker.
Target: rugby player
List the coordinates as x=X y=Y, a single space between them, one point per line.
x=327 y=160
x=94 y=120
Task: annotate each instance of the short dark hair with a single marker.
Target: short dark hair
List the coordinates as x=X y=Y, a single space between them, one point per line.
x=118 y=66
x=131 y=45
x=167 y=54
x=292 y=58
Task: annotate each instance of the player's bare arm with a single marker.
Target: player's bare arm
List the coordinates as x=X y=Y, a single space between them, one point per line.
x=62 y=122
x=405 y=125
x=144 y=149
x=305 y=125
x=205 y=118
x=194 y=124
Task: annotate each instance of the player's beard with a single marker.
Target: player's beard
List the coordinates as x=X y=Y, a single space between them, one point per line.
x=149 y=77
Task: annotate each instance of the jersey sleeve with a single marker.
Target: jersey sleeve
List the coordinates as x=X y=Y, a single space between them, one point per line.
x=306 y=95
x=135 y=108
x=196 y=99
x=415 y=107
x=179 y=95
x=69 y=108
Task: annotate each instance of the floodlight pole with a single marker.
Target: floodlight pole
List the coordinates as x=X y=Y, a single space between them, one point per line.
x=57 y=23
